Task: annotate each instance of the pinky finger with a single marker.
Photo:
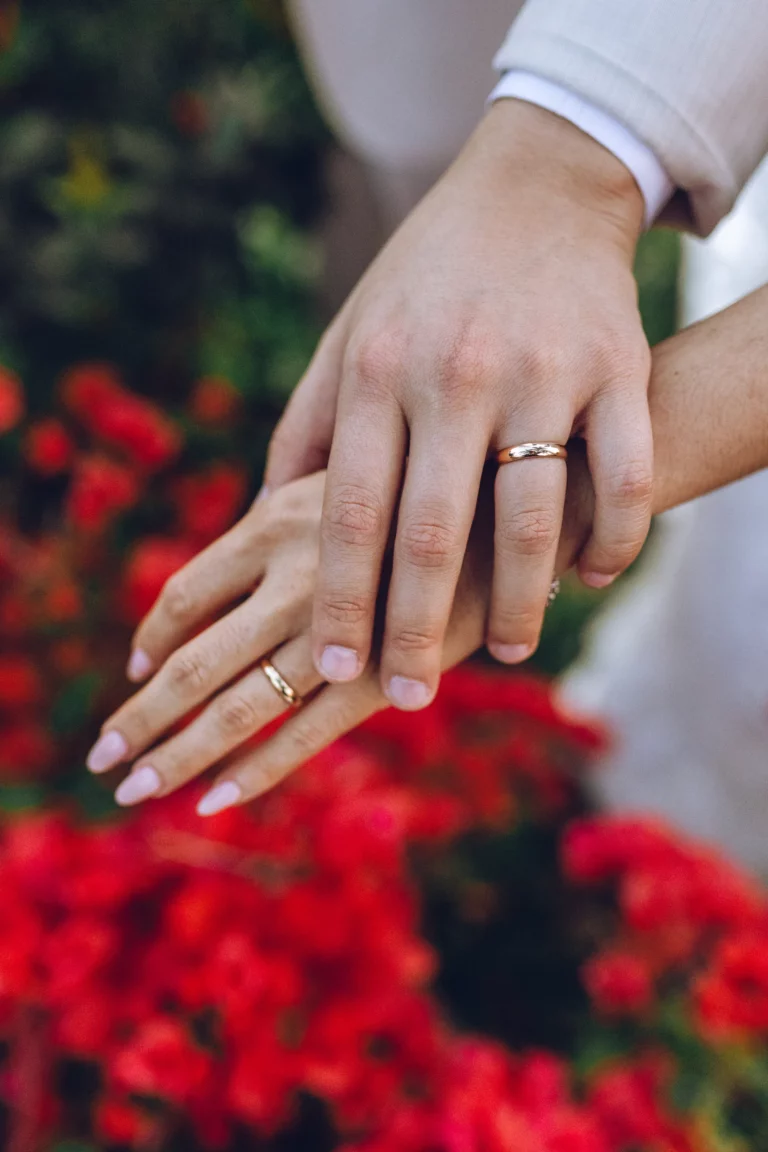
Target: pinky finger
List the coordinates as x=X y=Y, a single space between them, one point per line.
x=620 y=454
x=336 y=710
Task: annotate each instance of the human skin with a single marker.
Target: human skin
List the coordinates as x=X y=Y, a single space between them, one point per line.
x=709 y=404
x=502 y=311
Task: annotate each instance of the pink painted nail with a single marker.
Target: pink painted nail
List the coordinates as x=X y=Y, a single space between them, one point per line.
x=510 y=653
x=262 y=494
x=224 y=795
x=140 y=785
x=598 y=579
x=108 y=751
x=410 y=695
x=139 y=665
x=339 y=664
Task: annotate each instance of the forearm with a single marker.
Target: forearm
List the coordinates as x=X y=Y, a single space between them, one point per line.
x=709 y=403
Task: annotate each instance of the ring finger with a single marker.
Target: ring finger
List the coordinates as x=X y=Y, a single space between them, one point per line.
x=191 y=676
x=530 y=495
x=232 y=718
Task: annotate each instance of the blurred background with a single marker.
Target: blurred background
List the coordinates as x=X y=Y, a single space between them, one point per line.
x=177 y=223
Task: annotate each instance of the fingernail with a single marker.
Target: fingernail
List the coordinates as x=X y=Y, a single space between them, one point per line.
x=139 y=665
x=598 y=579
x=262 y=494
x=108 y=750
x=140 y=785
x=223 y=796
x=409 y=695
x=337 y=663
x=510 y=653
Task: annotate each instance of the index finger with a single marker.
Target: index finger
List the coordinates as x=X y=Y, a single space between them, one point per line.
x=360 y=495
x=225 y=570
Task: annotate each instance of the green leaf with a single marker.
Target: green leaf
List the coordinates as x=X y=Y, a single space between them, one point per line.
x=21 y=797
x=93 y=799
x=74 y=705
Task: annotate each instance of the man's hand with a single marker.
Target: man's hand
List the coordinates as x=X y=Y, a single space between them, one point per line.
x=503 y=311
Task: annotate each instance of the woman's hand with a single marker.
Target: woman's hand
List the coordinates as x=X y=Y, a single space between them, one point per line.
x=270 y=558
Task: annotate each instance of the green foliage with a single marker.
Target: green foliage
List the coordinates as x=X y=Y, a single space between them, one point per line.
x=158 y=178
x=656 y=268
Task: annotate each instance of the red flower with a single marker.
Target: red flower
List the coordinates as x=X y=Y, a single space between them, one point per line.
x=20 y=682
x=69 y=656
x=619 y=983
x=21 y=936
x=628 y=1099
x=25 y=748
x=48 y=447
x=573 y=1129
x=12 y=405
x=95 y=393
x=87 y=388
x=148 y=567
x=541 y=1083
x=731 y=998
x=120 y=1121
x=598 y=849
x=139 y=428
x=161 y=1060
x=62 y=602
x=215 y=402
x=101 y=488
x=208 y=503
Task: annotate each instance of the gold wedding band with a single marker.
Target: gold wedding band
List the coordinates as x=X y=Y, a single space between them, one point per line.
x=536 y=450
x=286 y=693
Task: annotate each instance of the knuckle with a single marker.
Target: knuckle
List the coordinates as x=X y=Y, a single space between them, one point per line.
x=188 y=675
x=429 y=543
x=466 y=361
x=529 y=531
x=516 y=623
x=348 y=610
x=176 y=601
x=237 y=715
x=622 y=361
x=353 y=516
x=376 y=361
x=307 y=738
x=241 y=543
x=614 y=555
x=632 y=485
x=414 y=640
x=543 y=362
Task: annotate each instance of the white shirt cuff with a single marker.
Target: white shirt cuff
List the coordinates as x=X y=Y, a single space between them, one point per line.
x=652 y=178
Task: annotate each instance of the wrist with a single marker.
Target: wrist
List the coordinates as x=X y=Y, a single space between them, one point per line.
x=553 y=154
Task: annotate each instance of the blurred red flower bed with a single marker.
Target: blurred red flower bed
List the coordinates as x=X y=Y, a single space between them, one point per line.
x=168 y=982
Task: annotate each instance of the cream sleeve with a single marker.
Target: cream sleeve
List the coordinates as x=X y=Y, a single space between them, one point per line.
x=688 y=77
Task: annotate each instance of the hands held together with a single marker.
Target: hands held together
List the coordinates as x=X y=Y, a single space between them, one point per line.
x=215 y=681
x=259 y=579
x=503 y=311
